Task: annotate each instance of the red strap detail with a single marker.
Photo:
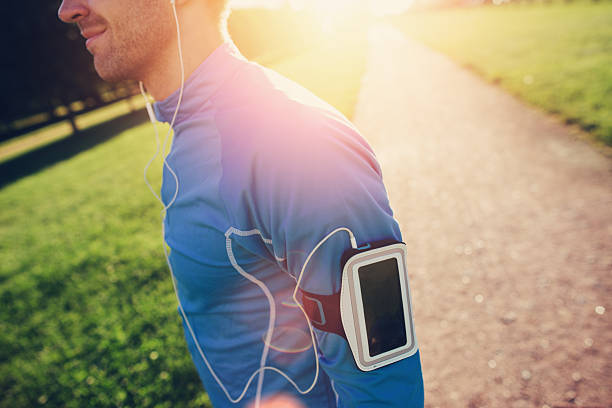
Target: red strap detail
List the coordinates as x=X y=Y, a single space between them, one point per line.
x=323 y=311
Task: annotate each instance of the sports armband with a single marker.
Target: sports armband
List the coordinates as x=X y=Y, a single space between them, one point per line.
x=373 y=309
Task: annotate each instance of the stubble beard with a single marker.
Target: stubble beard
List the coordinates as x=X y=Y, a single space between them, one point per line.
x=131 y=49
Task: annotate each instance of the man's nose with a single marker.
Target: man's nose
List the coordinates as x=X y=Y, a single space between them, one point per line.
x=71 y=11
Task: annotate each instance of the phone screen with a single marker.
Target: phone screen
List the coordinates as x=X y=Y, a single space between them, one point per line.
x=382 y=305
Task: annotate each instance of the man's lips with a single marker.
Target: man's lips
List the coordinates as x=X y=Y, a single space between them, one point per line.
x=92 y=34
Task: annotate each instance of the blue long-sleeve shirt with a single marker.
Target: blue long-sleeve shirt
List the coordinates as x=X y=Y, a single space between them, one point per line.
x=255 y=151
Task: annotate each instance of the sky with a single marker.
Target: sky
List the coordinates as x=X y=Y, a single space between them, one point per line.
x=376 y=6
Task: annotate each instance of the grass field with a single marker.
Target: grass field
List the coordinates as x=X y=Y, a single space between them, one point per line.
x=58 y=131
x=557 y=56
x=88 y=314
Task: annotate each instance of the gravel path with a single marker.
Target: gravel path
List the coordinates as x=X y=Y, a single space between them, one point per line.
x=508 y=220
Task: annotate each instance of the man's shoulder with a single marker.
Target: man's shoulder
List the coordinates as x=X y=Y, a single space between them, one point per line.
x=253 y=85
x=261 y=112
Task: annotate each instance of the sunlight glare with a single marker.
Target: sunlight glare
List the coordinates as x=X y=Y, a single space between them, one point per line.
x=332 y=7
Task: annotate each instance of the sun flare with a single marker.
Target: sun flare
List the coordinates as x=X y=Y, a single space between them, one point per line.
x=333 y=8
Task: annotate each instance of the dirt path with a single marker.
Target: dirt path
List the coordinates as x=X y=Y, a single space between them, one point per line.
x=508 y=219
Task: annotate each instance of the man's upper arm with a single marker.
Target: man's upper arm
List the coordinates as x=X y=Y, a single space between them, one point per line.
x=319 y=185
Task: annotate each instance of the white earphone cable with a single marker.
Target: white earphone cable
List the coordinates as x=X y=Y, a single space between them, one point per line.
x=153 y=121
x=178 y=103
x=230 y=254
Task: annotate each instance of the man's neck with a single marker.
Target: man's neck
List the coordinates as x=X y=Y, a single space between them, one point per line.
x=198 y=41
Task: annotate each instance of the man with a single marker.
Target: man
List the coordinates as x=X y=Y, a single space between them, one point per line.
x=265 y=171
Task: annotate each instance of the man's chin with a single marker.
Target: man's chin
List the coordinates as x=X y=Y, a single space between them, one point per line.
x=110 y=73
x=111 y=79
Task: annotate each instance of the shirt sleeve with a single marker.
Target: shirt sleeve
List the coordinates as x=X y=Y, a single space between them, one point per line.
x=306 y=185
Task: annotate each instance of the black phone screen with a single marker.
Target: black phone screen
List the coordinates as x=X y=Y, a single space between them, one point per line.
x=383 y=306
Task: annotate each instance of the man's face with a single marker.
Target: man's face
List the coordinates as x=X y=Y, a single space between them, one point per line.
x=124 y=36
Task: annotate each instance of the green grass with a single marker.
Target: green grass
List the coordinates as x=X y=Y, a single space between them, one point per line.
x=58 y=131
x=88 y=315
x=556 y=56
x=85 y=294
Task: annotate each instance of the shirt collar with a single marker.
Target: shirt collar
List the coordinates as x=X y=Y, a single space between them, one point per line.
x=201 y=84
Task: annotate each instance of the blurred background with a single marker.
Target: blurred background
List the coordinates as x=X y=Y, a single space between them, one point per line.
x=493 y=125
